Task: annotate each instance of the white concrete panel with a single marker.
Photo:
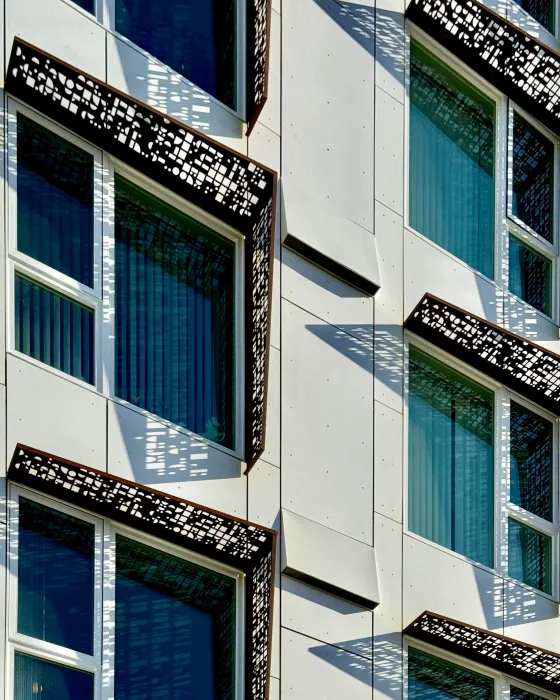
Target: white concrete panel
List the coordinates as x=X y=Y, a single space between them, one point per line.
x=437 y=580
x=390 y=51
x=270 y=115
x=325 y=617
x=388 y=462
x=3 y=455
x=145 y=78
x=428 y=268
x=523 y=319
x=3 y=605
x=327 y=297
x=531 y=617
x=58 y=28
x=311 y=669
x=275 y=333
x=274 y=691
x=388 y=355
x=2 y=238
x=389 y=151
x=328 y=105
x=54 y=414
x=327 y=411
x=264 y=146
x=144 y=450
x=271 y=452
x=387 y=617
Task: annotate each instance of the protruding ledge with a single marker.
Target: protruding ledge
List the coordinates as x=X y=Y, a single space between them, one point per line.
x=329 y=240
x=329 y=560
x=528 y=663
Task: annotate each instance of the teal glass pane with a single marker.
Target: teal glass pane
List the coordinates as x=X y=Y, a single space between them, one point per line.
x=516 y=693
x=55 y=577
x=196 y=38
x=541 y=10
x=529 y=556
x=532 y=181
x=54 y=201
x=450 y=459
x=530 y=462
x=175 y=628
x=54 y=329
x=451 y=167
x=35 y=679
x=530 y=276
x=430 y=678
x=175 y=321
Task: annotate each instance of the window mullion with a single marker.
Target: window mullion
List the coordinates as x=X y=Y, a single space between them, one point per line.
x=108 y=612
x=503 y=403
x=107 y=332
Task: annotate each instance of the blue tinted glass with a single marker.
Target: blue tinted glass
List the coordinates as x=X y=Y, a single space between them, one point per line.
x=530 y=276
x=54 y=201
x=88 y=5
x=55 y=577
x=529 y=556
x=53 y=329
x=175 y=321
x=541 y=10
x=195 y=38
x=430 y=678
x=175 y=628
x=35 y=679
x=451 y=161
x=520 y=694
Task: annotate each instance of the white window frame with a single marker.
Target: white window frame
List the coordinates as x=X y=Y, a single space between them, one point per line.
x=503 y=145
x=502 y=506
x=502 y=682
x=101 y=664
x=101 y=299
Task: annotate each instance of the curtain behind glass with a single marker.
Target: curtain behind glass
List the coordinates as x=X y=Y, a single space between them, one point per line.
x=529 y=556
x=54 y=201
x=450 y=459
x=196 y=38
x=430 y=678
x=175 y=321
x=451 y=161
x=35 y=679
x=55 y=577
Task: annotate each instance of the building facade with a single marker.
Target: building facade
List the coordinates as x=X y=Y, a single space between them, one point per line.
x=280 y=373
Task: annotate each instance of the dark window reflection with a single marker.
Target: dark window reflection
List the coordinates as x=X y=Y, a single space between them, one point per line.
x=35 y=679
x=529 y=556
x=530 y=276
x=55 y=577
x=533 y=164
x=516 y=693
x=541 y=10
x=531 y=461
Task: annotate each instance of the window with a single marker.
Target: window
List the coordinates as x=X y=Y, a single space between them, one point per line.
x=431 y=677
x=155 y=318
x=541 y=10
x=454 y=445
x=171 y=622
x=482 y=179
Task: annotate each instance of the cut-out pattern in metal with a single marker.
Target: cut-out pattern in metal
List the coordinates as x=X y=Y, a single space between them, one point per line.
x=224 y=183
x=518 y=65
x=258 y=49
x=528 y=663
x=524 y=367
x=234 y=542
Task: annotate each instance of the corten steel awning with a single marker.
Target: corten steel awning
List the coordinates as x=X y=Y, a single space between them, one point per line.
x=259 y=15
x=224 y=538
x=504 y=654
x=226 y=184
x=520 y=66
x=524 y=367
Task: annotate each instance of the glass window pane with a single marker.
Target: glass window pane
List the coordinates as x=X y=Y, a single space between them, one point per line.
x=541 y=10
x=529 y=556
x=175 y=628
x=451 y=161
x=54 y=329
x=175 y=321
x=35 y=679
x=88 y=5
x=55 y=577
x=54 y=201
x=533 y=166
x=516 y=693
x=530 y=461
x=530 y=276
x=450 y=459
x=430 y=678
x=196 y=38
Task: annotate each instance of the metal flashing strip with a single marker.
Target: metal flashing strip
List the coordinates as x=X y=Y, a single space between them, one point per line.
x=519 y=65
x=531 y=664
x=232 y=541
x=524 y=367
x=224 y=183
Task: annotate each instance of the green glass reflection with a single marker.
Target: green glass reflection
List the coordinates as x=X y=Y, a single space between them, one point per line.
x=529 y=556
x=451 y=169
x=530 y=276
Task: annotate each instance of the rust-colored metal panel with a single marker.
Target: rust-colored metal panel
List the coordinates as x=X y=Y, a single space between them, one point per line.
x=259 y=13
